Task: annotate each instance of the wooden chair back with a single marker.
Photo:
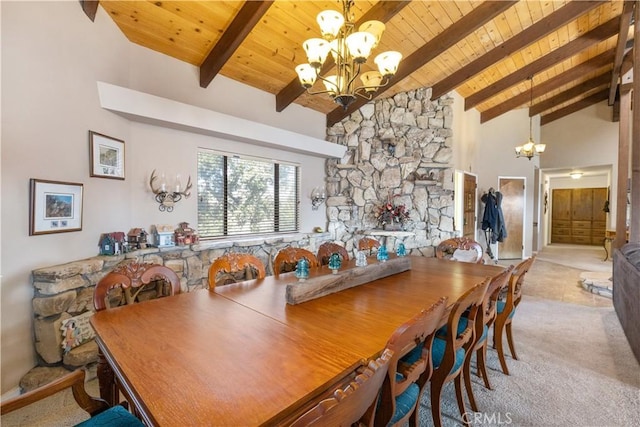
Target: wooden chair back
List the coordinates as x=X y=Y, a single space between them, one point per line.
x=101 y=413
x=327 y=249
x=497 y=286
x=73 y=380
x=460 y=249
x=415 y=337
x=124 y=285
x=233 y=267
x=287 y=258
x=455 y=342
x=354 y=403
x=368 y=244
x=128 y=283
x=507 y=310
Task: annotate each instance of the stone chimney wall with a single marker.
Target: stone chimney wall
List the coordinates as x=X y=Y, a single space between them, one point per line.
x=399 y=148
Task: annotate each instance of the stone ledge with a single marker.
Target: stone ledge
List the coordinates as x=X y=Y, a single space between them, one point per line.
x=597 y=282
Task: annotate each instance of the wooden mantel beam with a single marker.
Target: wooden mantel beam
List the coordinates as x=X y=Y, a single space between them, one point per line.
x=247 y=18
x=90 y=8
x=625 y=21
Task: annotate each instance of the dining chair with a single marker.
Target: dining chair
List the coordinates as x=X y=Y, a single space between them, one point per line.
x=484 y=320
x=327 y=249
x=368 y=244
x=410 y=368
x=353 y=404
x=233 y=267
x=287 y=258
x=450 y=347
x=126 y=284
x=101 y=413
x=506 y=309
x=460 y=249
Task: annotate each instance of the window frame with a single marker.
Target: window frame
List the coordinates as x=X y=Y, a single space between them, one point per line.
x=275 y=221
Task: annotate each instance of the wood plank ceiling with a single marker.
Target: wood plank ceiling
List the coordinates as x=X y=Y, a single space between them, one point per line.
x=488 y=51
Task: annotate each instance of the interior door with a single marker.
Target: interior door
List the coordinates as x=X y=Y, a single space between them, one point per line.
x=513 y=203
x=470 y=206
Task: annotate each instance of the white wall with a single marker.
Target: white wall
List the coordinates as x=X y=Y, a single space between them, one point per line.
x=52 y=57
x=496 y=158
x=582 y=140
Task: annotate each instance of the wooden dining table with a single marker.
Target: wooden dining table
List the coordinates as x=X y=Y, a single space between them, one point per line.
x=241 y=355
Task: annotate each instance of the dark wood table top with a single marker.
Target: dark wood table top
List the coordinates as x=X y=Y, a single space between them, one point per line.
x=242 y=356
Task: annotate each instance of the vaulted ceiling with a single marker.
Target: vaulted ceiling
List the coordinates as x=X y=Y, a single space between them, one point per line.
x=490 y=52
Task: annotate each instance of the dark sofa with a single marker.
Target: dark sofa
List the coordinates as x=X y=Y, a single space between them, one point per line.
x=626 y=292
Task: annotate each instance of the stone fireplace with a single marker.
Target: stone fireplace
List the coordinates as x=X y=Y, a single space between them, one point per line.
x=399 y=148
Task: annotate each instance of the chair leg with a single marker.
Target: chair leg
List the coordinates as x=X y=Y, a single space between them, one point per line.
x=497 y=342
x=481 y=361
x=460 y=399
x=436 y=390
x=466 y=371
x=510 y=341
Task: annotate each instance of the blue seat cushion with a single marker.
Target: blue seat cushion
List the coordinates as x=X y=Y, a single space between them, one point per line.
x=500 y=308
x=112 y=417
x=437 y=354
x=405 y=402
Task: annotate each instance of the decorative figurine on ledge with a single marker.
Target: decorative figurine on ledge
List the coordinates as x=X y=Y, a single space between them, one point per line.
x=302 y=269
x=185 y=235
x=164 y=236
x=137 y=239
x=383 y=255
x=335 y=262
x=361 y=259
x=401 y=250
x=112 y=243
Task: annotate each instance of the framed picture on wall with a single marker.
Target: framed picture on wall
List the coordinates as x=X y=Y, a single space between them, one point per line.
x=107 y=156
x=54 y=207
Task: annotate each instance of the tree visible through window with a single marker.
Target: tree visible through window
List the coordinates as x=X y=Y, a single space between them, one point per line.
x=242 y=195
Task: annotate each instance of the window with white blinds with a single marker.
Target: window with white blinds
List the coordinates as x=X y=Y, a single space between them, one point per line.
x=242 y=195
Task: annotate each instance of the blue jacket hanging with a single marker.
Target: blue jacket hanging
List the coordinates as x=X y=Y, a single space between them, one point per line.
x=493 y=218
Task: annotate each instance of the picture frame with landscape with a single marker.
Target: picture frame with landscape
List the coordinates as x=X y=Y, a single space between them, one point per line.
x=106 y=156
x=54 y=206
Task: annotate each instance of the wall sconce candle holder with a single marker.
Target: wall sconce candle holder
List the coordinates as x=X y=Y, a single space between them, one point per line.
x=167 y=198
x=318 y=196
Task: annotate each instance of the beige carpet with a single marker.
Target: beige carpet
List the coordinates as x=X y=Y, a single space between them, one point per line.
x=575 y=366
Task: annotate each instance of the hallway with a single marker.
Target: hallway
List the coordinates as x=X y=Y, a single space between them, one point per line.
x=555 y=274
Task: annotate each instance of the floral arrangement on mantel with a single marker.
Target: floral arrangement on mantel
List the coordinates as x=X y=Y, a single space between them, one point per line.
x=391 y=216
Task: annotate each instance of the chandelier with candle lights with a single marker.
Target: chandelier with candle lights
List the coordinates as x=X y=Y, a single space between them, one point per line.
x=530 y=148
x=349 y=50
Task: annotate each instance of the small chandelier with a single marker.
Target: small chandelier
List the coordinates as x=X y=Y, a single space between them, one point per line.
x=530 y=148
x=349 y=49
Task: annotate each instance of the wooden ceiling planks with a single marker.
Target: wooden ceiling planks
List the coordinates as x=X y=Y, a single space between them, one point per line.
x=189 y=30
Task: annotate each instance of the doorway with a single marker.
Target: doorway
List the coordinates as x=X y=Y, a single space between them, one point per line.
x=470 y=205
x=513 y=208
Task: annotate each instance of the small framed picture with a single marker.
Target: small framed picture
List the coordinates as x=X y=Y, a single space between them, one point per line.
x=54 y=207
x=107 y=156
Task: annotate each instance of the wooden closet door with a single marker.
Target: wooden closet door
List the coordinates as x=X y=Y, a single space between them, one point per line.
x=561 y=216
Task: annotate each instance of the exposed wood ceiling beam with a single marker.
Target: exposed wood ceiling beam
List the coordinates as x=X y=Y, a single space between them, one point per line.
x=549 y=85
x=382 y=11
x=90 y=8
x=625 y=21
x=525 y=38
x=576 y=106
x=569 y=94
x=434 y=47
x=248 y=16
x=598 y=34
